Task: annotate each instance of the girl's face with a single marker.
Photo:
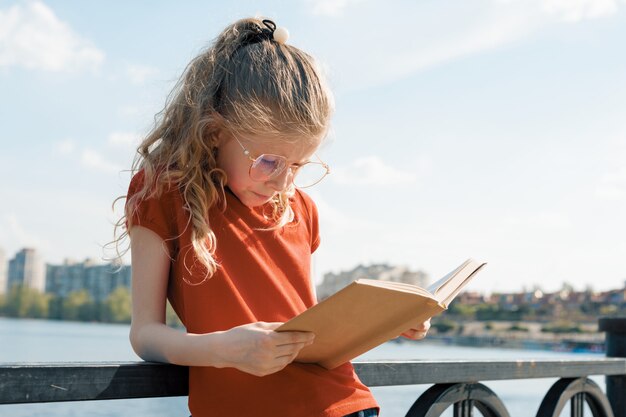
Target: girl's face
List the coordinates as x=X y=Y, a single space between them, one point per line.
x=232 y=159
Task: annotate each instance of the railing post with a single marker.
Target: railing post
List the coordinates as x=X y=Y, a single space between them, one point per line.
x=615 y=342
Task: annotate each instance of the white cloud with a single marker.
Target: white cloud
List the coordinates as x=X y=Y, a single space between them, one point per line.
x=577 y=10
x=417 y=43
x=93 y=160
x=65 y=147
x=566 y=10
x=610 y=192
x=347 y=238
x=338 y=222
x=19 y=236
x=123 y=140
x=332 y=8
x=143 y=111
x=612 y=186
x=138 y=74
x=33 y=37
x=371 y=170
x=122 y=143
x=543 y=220
x=425 y=36
x=129 y=110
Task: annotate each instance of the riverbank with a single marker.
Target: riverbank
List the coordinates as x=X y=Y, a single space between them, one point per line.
x=521 y=335
x=564 y=345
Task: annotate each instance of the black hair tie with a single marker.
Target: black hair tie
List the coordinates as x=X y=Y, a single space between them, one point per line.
x=270 y=25
x=269 y=32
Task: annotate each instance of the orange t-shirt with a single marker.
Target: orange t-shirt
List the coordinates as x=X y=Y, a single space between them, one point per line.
x=263 y=276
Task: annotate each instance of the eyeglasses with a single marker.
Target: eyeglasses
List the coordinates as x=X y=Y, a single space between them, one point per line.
x=267 y=166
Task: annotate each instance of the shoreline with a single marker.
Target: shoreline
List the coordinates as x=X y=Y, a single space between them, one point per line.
x=488 y=341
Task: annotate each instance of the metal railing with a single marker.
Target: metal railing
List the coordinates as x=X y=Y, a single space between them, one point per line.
x=456 y=383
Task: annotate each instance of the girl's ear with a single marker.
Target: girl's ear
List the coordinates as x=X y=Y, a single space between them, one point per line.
x=222 y=134
x=222 y=137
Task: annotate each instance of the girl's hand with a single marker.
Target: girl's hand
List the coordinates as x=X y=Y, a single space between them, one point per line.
x=257 y=349
x=417 y=332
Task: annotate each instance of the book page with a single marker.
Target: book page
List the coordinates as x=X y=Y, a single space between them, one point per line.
x=434 y=287
x=394 y=285
x=449 y=286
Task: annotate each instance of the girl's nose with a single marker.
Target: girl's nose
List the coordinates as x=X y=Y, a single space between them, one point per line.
x=282 y=180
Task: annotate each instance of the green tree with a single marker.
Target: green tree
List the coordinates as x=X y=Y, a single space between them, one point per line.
x=518 y=328
x=55 y=308
x=443 y=325
x=77 y=306
x=607 y=310
x=466 y=312
x=89 y=311
x=486 y=312
x=562 y=327
x=117 y=306
x=22 y=301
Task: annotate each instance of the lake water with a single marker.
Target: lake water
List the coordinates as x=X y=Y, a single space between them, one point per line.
x=52 y=341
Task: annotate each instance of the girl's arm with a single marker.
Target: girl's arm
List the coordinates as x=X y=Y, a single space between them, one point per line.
x=254 y=348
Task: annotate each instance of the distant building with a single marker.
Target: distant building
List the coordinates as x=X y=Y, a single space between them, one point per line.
x=334 y=282
x=617 y=297
x=98 y=280
x=470 y=298
x=27 y=269
x=3 y=272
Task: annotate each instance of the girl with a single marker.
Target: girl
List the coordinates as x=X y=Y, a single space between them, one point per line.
x=219 y=226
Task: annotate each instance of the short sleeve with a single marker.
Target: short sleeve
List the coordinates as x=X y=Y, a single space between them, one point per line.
x=154 y=213
x=312 y=220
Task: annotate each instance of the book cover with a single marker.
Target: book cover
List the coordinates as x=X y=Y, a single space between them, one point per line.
x=368 y=313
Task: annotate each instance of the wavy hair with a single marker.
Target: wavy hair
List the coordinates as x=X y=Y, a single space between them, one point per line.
x=260 y=88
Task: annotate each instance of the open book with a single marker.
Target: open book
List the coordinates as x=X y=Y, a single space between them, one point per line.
x=369 y=312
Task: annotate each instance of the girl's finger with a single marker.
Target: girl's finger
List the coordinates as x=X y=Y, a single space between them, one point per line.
x=291 y=338
x=415 y=334
x=288 y=350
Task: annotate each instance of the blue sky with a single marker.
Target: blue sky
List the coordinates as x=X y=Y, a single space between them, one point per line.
x=492 y=129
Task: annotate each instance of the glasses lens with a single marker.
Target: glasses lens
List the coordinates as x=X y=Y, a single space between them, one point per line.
x=309 y=174
x=266 y=166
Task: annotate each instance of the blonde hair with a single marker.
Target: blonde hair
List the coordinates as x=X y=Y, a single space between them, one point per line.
x=237 y=87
